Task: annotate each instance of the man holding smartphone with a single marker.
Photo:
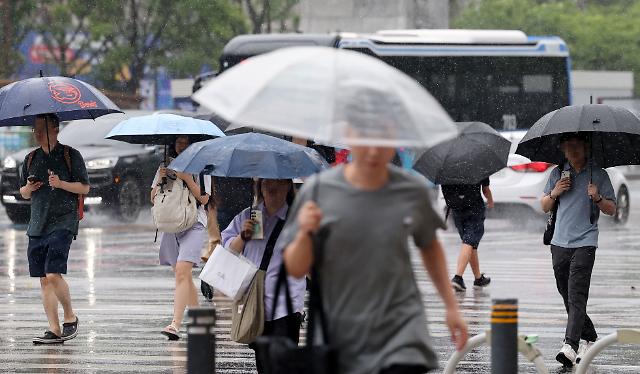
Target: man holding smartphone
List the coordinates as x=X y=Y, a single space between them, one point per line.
x=52 y=178
x=575 y=186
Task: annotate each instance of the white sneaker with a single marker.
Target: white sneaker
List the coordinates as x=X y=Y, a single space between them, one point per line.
x=582 y=350
x=566 y=356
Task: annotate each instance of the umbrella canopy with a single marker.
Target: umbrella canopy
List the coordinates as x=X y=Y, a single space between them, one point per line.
x=472 y=156
x=67 y=98
x=614 y=134
x=328 y=95
x=162 y=129
x=249 y=155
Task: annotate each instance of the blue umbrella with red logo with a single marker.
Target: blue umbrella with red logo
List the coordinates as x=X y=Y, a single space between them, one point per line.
x=66 y=98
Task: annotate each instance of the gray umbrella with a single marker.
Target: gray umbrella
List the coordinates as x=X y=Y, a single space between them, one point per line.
x=476 y=153
x=614 y=134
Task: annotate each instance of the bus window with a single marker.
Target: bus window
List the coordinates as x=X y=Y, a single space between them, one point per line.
x=508 y=93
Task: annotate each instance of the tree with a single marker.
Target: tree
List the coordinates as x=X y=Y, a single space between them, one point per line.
x=124 y=37
x=263 y=13
x=600 y=37
x=13 y=16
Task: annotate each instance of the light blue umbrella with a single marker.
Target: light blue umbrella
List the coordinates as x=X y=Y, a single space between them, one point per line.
x=249 y=155
x=162 y=129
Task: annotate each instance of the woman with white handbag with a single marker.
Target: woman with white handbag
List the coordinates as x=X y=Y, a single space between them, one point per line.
x=182 y=250
x=254 y=233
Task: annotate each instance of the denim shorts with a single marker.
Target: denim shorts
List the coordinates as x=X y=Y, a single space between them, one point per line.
x=470 y=225
x=48 y=254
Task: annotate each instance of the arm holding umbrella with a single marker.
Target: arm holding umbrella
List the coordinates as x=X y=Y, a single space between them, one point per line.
x=605 y=205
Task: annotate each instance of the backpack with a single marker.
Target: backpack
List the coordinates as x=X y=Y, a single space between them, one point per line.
x=174 y=208
x=67 y=161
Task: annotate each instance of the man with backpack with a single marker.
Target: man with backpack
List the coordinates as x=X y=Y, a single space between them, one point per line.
x=54 y=178
x=468 y=209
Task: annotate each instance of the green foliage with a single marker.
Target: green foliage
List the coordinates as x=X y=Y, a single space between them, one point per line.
x=13 y=28
x=601 y=35
x=121 y=38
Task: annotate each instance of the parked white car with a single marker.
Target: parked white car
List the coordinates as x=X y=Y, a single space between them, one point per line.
x=519 y=187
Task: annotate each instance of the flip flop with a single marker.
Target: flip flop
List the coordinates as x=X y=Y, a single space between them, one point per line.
x=170 y=332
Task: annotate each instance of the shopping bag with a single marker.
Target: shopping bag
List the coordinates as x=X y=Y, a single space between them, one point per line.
x=228 y=272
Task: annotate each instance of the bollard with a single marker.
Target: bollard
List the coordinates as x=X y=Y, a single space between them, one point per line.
x=201 y=342
x=504 y=336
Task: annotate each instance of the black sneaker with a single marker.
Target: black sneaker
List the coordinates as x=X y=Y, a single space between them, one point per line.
x=48 y=338
x=482 y=281
x=458 y=283
x=69 y=330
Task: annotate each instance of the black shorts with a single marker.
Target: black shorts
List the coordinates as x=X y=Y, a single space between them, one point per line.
x=48 y=254
x=470 y=225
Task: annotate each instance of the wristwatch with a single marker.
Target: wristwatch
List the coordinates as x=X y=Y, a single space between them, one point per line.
x=599 y=200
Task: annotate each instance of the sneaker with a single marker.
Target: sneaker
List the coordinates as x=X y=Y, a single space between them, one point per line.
x=482 y=281
x=458 y=283
x=582 y=350
x=48 y=338
x=69 y=330
x=566 y=356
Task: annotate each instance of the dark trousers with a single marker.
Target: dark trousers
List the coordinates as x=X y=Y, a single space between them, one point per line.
x=286 y=326
x=572 y=268
x=404 y=369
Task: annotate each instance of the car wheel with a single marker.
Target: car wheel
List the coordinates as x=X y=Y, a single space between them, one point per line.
x=622 y=211
x=129 y=201
x=18 y=214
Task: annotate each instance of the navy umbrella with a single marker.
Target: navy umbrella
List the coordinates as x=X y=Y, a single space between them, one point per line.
x=67 y=98
x=476 y=153
x=248 y=156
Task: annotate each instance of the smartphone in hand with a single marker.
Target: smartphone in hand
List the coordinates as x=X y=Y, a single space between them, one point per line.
x=258 y=230
x=565 y=174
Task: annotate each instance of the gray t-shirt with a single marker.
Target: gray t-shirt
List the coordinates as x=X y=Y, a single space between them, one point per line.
x=573 y=226
x=375 y=313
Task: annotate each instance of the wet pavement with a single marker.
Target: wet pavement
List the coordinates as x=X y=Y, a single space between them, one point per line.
x=123 y=299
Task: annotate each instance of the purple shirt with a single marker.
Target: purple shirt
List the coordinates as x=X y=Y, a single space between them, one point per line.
x=254 y=250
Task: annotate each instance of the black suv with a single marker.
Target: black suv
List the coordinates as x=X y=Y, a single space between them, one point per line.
x=120 y=174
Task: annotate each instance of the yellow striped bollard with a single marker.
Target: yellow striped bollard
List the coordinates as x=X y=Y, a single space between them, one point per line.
x=504 y=336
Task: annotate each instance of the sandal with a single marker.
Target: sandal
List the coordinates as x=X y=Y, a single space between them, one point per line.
x=171 y=332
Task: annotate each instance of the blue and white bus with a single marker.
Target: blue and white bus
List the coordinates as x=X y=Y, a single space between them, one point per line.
x=501 y=77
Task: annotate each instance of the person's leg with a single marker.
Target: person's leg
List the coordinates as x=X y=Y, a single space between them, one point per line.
x=185 y=294
x=58 y=245
x=474 y=261
x=579 y=283
x=50 y=304
x=561 y=259
x=464 y=257
x=61 y=290
x=476 y=233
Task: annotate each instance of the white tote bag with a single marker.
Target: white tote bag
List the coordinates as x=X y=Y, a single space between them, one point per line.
x=228 y=272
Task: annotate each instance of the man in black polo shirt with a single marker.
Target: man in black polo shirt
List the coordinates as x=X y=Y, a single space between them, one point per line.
x=468 y=211
x=53 y=181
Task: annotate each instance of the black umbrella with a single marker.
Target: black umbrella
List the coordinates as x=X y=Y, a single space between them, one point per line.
x=476 y=153
x=613 y=133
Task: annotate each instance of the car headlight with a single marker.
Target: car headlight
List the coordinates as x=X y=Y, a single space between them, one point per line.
x=9 y=163
x=102 y=163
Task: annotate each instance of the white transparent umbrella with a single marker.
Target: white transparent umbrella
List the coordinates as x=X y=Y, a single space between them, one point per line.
x=329 y=95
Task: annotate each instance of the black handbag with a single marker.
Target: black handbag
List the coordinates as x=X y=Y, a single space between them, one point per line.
x=551 y=224
x=280 y=355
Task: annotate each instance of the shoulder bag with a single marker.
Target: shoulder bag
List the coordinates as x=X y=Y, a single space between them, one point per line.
x=247 y=320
